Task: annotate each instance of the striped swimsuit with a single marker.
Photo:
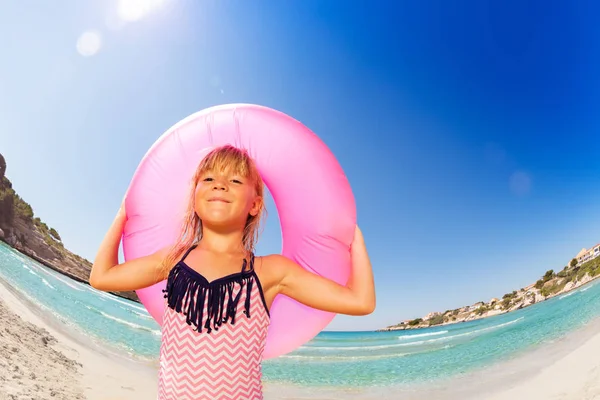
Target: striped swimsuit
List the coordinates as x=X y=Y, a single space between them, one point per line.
x=213 y=336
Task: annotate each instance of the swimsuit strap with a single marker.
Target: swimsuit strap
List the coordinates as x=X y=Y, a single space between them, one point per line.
x=245 y=263
x=188 y=251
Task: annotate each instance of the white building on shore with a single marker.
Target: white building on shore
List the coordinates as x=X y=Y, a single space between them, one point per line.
x=586 y=255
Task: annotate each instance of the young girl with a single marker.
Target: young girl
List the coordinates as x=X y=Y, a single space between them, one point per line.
x=218 y=294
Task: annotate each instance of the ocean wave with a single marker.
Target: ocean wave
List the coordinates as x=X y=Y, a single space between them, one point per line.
x=365 y=357
x=122 y=321
x=566 y=295
x=18 y=257
x=31 y=271
x=408 y=337
x=416 y=343
x=476 y=331
x=48 y=284
x=131 y=324
x=343 y=358
x=55 y=276
x=116 y=300
x=34 y=271
x=143 y=315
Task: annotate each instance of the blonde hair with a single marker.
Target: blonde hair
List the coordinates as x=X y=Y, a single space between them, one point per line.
x=222 y=158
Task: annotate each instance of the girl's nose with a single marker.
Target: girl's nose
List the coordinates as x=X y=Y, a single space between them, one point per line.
x=218 y=184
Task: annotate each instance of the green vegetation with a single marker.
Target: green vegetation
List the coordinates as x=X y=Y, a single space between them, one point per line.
x=51 y=237
x=6 y=203
x=547 y=276
x=554 y=288
x=563 y=273
x=549 y=284
x=508 y=298
x=577 y=272
x=483 y=309
x=591 y=268
x=510 y=295
x=13 y=206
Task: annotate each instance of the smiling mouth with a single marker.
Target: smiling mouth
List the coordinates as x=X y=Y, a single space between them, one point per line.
x=218 y=201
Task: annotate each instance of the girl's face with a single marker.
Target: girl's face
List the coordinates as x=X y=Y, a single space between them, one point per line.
x=225 y=199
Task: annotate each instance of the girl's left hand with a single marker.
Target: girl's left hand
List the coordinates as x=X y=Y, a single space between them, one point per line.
x=356 y=298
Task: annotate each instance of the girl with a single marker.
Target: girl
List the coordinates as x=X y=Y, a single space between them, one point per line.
x=218 y=294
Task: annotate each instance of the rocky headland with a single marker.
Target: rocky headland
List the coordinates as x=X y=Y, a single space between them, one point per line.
x=550 y=285
x=22 y=230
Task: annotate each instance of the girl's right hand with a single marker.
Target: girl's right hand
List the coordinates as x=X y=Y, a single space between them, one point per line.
x=131 y=275
x=122 y=214
x=108 y=275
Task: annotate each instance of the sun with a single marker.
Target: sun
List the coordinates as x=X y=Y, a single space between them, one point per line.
x=134 y=10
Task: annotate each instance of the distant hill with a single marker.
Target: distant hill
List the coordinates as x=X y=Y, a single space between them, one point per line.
x=22 y=230
x=550 y=285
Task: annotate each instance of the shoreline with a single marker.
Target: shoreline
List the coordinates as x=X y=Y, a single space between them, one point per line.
x=75 y=367
x=394 y=328
x=416 y=328
x=48 y=264
x=565 y=369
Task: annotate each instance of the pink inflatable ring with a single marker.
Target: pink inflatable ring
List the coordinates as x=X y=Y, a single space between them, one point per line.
x=313 y=198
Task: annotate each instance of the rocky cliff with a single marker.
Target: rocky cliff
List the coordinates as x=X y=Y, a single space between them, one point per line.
x=20 y=229
x=550 y=285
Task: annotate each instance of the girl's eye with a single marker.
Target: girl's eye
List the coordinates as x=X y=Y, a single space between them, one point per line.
x=207 y=179
x=236 y=181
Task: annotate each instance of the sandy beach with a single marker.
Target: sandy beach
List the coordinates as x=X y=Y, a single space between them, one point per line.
x=40 y=360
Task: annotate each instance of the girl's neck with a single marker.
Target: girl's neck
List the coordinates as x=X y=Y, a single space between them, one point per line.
x=222 y=242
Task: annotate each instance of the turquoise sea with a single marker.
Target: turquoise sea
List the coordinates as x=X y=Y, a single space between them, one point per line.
x=359 y=359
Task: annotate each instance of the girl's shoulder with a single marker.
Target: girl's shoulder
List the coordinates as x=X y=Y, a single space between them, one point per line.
x=271 y=262
x=271 y=268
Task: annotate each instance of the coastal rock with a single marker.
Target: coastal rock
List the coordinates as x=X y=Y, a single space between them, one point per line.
x=25 y=237
x=539 y=297
x=568 y=286
x=516 y=307
x=528 y=300
x=493 y=312
x=431 y=315
x=548 y=284
x=585 y=279
x=32 y=240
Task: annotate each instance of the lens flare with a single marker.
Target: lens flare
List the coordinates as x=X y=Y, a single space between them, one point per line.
x=89 y=43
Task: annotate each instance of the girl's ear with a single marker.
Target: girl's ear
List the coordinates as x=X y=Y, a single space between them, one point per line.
x=256 y=206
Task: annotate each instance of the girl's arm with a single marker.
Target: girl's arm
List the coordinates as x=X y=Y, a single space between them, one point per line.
x=356 y=298
x=108 y=275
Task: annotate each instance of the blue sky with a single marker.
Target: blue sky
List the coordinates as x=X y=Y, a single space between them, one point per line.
x=469 y=132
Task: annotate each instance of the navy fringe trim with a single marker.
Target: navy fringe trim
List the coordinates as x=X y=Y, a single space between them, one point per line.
x=184 y=288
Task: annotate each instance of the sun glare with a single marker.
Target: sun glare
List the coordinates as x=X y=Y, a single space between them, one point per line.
x=134 y=10
x=89 y=43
